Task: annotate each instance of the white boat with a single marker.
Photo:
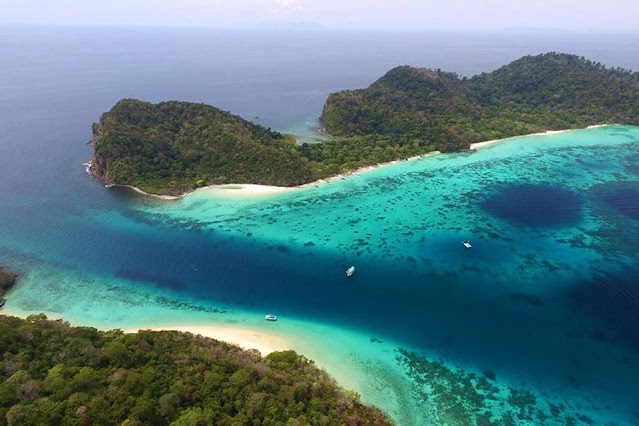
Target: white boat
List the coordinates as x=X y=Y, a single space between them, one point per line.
x=350 y=271
x=270 y=317
x=466 y=244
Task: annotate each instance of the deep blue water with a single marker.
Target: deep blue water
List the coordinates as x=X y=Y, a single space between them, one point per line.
x=536 y=309
x=534 y=205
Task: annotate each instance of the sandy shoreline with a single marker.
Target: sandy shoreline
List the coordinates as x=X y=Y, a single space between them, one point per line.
x=245 y=338
x=251 y=190
x=477 y=145
x=248 y=189
x=243 y=189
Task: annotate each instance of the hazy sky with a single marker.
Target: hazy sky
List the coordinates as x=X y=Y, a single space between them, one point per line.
x=581 y=15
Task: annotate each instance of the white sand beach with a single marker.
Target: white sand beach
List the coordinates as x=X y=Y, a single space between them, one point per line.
x=477 y=145
x=242 y=337
x=244 y=190
x=245 y=338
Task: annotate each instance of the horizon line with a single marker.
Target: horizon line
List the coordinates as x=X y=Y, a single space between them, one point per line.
x=312 y=26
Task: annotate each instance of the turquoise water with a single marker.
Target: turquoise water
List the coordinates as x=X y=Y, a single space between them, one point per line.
x=538 y=323
x=545 y=306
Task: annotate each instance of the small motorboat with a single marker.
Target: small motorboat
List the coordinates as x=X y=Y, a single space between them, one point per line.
x=466 y=244
x=2 y=302
x=350 y=271
x=270 y=317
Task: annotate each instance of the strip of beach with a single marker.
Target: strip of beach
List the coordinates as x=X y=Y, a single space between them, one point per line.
x=246 y=190
x=244 y=338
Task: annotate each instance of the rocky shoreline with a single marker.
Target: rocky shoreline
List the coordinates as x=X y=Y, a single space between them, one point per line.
x=7 y=281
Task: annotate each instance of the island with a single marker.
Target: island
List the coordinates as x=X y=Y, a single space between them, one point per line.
x=171 y=148
x=53 y=373
x=175 y=147
x=7 y=280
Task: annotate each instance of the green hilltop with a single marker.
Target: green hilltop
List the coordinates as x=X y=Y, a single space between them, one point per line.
x=174 y=147
x=440 y=109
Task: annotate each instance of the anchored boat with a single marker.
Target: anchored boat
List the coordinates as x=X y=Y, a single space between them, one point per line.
x=350 y=271
x=270 y=317
x=466 y=244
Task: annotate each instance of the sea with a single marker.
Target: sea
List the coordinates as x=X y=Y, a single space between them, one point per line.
x=537 y=323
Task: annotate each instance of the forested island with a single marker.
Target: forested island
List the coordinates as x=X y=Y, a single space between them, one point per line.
x=53 y=374
x=446 y=112
x=175 y=147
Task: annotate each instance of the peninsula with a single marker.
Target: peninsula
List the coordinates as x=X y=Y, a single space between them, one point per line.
x=57 y=374
x=175 y=147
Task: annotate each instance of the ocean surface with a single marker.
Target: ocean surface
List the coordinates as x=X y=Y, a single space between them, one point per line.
x=538 y=323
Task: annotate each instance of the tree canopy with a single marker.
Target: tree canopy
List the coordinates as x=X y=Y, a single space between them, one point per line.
x=535 y=93
x=54 y=374
x=174 y=147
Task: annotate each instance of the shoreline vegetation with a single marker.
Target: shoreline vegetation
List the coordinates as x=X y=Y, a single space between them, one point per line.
x=244 y=338
x=161 y=377
x=253 y=190
x=172 y=148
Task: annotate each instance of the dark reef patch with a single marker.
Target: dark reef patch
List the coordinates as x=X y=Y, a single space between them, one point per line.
x=533 y=205
x=161 y=282
x=624 y=201
x=460 y=397
x=615 y=301
x=182 y=305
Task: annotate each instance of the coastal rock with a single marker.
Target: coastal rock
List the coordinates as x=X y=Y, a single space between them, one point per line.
x=7 y=281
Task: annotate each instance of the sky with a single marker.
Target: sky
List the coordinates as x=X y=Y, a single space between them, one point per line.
x=571 y=15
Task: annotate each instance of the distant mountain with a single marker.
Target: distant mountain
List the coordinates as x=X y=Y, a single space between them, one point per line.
x=289 y=25
x=532 y=94
x=523 y=29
